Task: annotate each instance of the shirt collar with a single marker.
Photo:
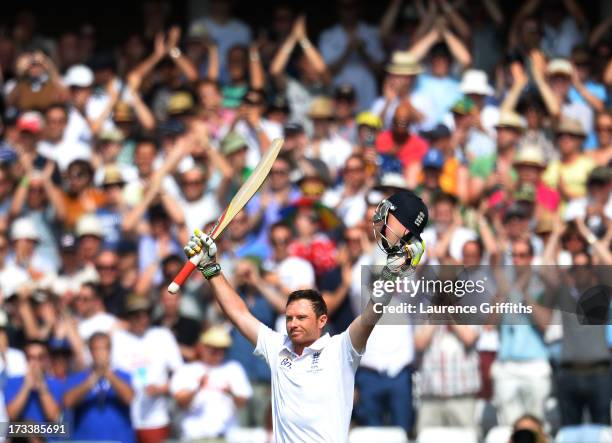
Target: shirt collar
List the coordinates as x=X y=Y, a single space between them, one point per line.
x=317 y=346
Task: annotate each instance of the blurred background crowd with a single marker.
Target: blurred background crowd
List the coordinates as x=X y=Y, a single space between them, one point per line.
x=496 y=113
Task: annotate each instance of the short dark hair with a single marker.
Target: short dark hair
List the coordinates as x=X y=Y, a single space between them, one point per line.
x=36 y=342
x=318 y=304
x=98 y=335
x=94 y=287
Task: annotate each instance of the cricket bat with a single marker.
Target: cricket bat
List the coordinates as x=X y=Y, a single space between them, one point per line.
x=242 y=197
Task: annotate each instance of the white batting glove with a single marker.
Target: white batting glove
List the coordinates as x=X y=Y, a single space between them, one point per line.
x=198 y=242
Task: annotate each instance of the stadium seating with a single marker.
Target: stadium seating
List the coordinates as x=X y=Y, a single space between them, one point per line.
x=378 y=435
x=455 y=435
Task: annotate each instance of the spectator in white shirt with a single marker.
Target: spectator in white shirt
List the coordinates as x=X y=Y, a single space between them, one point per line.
x=150 y=355
x=399 y=85
x=446 y=236
x=211 y=390
x=57 y=146
x=353 y=52
x=326 y=144
x=79 y=79
x=89 y=306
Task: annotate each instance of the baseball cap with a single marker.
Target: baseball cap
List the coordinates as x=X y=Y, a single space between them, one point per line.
x=433 y=159
x=24 y=229
x=410 y=211
x=233 y=142
x=367 y=118
x=345 y=91
x=67 y=242
x=79 y=76
x=463 y=106
x=216 y=337
x=30 y=121
x=293 y=128
x=437 y=132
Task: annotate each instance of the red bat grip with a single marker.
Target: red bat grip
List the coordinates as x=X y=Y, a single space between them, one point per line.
x=180 y=278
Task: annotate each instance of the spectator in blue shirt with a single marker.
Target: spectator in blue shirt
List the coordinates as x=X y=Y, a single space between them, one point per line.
x=36 y=396
x=100 y=397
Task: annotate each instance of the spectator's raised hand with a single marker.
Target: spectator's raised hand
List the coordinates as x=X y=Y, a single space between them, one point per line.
x=174 y=37
x=299 y=27
x=159 y=45
x=519 y=76
x=538 y=62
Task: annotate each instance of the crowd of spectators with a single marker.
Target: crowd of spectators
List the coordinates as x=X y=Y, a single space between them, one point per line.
x=110 y=157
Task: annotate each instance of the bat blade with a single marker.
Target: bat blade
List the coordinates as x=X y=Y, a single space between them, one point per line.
x=242 y=197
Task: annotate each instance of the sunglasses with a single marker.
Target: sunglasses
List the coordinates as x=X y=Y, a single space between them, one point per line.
x=603 y=129
x=106 y=267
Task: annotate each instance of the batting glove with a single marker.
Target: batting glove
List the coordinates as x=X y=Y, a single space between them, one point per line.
x=416 y=249
x=198 y=242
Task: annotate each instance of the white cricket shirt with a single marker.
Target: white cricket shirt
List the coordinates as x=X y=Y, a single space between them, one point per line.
x=312 y=394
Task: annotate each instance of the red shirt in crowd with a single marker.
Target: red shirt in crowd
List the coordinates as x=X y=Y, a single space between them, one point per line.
x=413 y=149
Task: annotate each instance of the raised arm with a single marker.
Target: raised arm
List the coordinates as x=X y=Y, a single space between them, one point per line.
x=231 y=303
x=594 y=102
x=421 y=47
x=213 y=61
x=519 y=82
x=456 y=20
x=185 y=65
x=143 y=113
x=389 y=18
x=457 y=48
x=538 y=65
x=256 y=70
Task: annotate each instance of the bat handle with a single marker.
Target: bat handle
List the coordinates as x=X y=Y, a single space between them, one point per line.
x=188 y=268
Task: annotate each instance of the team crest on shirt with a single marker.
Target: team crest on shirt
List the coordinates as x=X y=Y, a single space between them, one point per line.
x=314 y=365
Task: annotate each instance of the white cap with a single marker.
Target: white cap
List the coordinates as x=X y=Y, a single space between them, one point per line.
x=475 y=81
x=559 y=66
x=89 y=224
x=24 y=229
x=79 y=75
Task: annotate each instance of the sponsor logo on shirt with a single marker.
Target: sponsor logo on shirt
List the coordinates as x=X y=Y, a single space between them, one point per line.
x=286 y=363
